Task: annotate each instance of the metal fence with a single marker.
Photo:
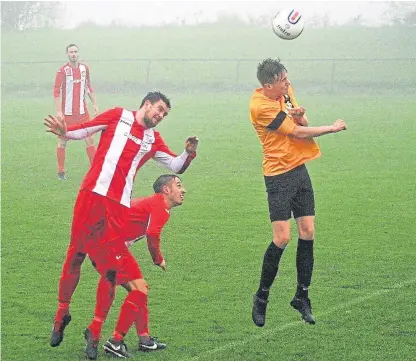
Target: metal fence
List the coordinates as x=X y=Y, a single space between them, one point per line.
x=324 y=75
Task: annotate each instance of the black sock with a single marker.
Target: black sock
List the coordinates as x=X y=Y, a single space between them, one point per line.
x=269 y=269
x=304 y=266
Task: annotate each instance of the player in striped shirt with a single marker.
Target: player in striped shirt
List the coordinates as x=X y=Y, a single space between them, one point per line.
x=127 y=141
x=147 y=217
x=72 y=83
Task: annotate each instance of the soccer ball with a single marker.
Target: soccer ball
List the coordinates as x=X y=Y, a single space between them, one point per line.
x=288 y=24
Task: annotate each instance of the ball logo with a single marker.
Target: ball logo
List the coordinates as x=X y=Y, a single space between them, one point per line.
x=293 y=17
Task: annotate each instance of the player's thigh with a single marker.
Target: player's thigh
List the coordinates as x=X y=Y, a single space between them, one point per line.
x=303 y=202
x=117 y=264
x=138 y=284
x=280 y=190
x=89 y=222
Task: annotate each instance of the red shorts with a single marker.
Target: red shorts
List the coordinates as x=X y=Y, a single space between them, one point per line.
x=116 y=260
x=76 y=119
x=97 y=221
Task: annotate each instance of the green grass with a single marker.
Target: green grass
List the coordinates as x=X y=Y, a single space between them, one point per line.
x=364 y=278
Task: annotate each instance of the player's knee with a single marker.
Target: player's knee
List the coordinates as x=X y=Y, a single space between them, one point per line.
x=89 y=141
x=62 y=143
x=111 y=276
x=140 y=285
x=76 y=262
x=307 y=232
x=282 y=240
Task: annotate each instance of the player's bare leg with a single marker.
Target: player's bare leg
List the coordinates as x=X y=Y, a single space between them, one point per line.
x=90 y=148
x=60 y=156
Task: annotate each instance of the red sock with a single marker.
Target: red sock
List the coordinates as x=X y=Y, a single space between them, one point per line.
x=104 y=300
x=142 y=321
x=60 y=155
x=91 y=152
x=63 y=309
x=128 y=313
x=70 y=275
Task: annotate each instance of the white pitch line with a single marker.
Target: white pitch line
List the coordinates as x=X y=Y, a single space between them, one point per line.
x=297 y=323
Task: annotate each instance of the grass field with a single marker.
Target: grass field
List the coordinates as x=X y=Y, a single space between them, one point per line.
x=365 y=274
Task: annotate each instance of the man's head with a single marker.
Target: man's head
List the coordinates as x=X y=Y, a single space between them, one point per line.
x=73 y=53
x=272 y=75
x=156 y=106
x=170 y=186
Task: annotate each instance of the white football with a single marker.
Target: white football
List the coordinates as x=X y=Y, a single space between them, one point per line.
x=288 y=24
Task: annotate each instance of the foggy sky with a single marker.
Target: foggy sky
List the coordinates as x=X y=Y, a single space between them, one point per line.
x=157 y=13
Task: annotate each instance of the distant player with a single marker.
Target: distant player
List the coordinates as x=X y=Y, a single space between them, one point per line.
x=287 y=142
x=127 y=142
x=72 y=83
x=147 y=217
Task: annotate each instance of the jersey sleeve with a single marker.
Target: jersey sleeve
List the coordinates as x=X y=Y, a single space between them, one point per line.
x=176 y=164
x=59 y=79
x=99 y=123
x=275 y=119
x=158 y=218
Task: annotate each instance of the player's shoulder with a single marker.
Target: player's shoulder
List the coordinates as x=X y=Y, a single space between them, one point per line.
x=258 y=99
x=144 y=202
x=63 y=67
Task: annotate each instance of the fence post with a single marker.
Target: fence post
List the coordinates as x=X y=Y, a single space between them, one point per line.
x=148 y=71
x=332 y=77
x=237 y=73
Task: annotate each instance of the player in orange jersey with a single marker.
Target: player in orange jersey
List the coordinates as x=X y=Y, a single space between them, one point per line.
x=72 y=83
x=287 y=142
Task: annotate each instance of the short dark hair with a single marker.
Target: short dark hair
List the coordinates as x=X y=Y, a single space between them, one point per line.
x=268 y=69
x=154 y=97
x=162 y=181
x=70 y=46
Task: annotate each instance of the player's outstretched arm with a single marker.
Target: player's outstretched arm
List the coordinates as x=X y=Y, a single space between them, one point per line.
x=312 y=132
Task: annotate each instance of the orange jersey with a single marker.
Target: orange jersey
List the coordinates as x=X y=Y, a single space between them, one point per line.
x=281 y=151
x=74 y=83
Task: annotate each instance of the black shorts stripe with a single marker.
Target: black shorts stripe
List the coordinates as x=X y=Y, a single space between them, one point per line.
x=277 y=122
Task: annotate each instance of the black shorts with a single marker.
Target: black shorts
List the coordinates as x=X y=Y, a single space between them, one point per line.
x=290 y=192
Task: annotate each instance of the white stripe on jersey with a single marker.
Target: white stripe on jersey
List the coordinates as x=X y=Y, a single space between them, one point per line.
x=113 y=154
x=69 y=90
x=144 y=148
x=83 y=72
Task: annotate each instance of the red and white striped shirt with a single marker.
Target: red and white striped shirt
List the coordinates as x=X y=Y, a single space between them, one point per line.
x=124 y=147
x=74 y=82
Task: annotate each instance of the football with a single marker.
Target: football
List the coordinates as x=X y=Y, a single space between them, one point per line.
x=288 y=24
